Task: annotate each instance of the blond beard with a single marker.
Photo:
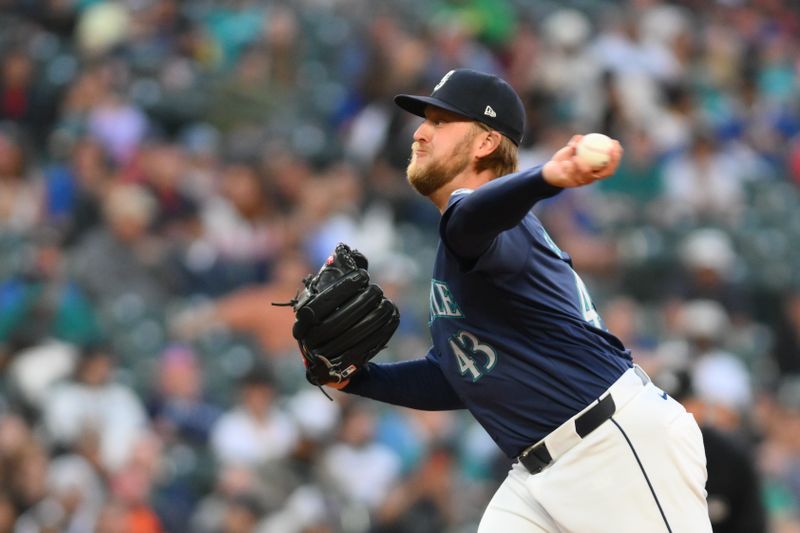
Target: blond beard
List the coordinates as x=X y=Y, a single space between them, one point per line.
x=428 y=178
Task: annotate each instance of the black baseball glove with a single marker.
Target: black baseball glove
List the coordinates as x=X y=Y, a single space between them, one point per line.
x=341 y=319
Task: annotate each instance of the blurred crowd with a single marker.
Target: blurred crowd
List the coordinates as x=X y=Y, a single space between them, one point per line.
x=168 y=169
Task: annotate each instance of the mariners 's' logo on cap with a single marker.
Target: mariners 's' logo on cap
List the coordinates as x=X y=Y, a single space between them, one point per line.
x=443 y=80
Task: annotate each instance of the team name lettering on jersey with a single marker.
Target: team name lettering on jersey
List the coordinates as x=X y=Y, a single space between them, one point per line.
x=442 y=303
x=550 y=243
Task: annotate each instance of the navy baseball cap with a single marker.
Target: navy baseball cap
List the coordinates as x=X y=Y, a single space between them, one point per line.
x=475 y=95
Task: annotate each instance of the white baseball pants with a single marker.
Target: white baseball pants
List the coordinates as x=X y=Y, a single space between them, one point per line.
x=641 y=471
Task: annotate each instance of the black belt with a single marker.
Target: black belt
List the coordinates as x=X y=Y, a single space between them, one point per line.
x=538 y=457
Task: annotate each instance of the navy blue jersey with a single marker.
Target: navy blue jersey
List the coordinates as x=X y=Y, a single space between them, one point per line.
x=517 y=336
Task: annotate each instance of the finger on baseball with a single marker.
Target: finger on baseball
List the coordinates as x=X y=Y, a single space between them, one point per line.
x=573 y=143
x=613 y=163
x=606 y=171
x=568 y=169
x=581 y=167
x=615 y=152
x=563 y=153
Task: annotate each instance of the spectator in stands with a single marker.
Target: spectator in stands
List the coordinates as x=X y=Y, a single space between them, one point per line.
x=702 y=183
x=22 y=100
x=123 y=249
x=786 y=351
x=355 y=450
x=179 y=412
x=21 y=193
x=257 y=429
x=92 y=405
x=734 y=500
x=423 y=501
x=75 y=188
x=243 y=227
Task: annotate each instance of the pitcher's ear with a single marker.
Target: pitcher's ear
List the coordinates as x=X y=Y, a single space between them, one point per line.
x=490 y=141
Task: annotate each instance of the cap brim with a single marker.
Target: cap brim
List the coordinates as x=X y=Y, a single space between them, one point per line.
x=416 y=104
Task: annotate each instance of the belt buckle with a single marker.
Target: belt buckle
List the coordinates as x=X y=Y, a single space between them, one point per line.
x=536 y=458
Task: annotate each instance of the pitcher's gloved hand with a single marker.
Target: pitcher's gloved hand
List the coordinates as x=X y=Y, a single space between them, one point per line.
x=341 y=319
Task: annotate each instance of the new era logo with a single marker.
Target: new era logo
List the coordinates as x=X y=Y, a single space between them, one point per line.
x=489 y=111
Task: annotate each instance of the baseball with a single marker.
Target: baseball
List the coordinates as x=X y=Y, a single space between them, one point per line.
x=594 y=149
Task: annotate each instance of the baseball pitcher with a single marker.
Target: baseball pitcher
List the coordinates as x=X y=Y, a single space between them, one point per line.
x=516 y=338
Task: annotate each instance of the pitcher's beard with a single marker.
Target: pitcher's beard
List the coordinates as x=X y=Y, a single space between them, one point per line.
x=427 y=178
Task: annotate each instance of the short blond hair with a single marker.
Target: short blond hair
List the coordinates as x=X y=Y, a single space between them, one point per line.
x=503 y=160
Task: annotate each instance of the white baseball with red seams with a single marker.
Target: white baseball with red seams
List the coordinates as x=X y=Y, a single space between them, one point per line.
x=594 y=149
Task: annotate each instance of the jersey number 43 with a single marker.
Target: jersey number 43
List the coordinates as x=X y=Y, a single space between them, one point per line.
x=472 y=355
